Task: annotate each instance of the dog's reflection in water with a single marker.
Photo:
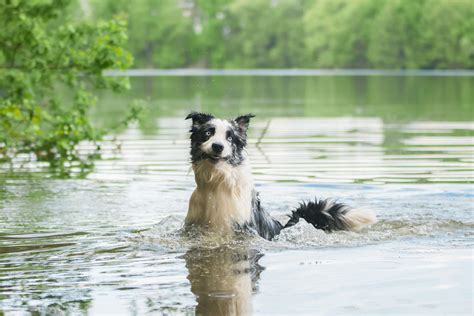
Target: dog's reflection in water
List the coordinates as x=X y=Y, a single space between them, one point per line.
x=223 y=279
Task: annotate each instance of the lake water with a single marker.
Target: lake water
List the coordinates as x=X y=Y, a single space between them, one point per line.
x=107 y=241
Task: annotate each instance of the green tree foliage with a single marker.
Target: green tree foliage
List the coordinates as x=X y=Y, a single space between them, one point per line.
x=211 y=31
x=298 y=33
x=395 y=42
x=337 y=32
x=391 y=33
x=265 y=34
x=447 y=39
x=163 y=34
x=37 y=54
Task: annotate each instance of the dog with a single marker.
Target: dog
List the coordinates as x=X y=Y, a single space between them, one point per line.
x=225 y=199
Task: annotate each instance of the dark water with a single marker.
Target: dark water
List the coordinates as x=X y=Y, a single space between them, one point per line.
x=108 y=241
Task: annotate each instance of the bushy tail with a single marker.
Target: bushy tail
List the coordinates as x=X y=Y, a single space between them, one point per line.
x=329 y=215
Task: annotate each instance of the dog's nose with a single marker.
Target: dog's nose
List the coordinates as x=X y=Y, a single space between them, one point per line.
x=217 y=148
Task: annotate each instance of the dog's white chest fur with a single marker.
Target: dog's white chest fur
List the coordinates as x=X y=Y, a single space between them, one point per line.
x=223 y=196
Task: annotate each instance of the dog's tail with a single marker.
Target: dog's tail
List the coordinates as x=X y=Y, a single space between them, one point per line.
x=329 y=215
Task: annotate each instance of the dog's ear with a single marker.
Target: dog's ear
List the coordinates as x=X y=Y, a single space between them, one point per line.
x=243 y=121
x=199 y=118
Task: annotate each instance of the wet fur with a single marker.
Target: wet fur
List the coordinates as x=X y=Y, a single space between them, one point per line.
x=225 y=198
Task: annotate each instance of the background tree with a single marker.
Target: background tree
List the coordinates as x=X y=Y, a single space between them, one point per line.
x=266 y=34
x=212 y=32
x=337 y=32
x=396 y=34
x=447 y=39
x=163 y=34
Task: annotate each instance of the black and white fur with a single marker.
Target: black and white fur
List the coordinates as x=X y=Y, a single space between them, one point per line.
x=225 y=198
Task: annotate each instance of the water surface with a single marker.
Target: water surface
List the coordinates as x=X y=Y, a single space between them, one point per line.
x=107 y=241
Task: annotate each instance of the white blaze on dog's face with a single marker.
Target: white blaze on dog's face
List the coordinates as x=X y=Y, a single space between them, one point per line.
x=219 y=143
x=216 y=139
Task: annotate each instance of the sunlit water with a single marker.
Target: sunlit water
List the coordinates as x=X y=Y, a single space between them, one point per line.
x=109 y=241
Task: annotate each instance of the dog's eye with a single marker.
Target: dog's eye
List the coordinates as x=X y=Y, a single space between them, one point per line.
x=229 y=139
x=208 y=133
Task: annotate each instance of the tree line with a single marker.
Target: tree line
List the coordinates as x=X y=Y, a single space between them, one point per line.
x=395 y=34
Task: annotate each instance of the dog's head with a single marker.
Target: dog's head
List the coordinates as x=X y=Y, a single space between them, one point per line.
x=217 y=140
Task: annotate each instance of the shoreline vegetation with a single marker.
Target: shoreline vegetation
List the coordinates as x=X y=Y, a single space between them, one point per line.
x=42 y=52
x=287 y=72
x=235 y=34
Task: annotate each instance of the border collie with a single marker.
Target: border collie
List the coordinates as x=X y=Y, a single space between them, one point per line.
x=225 y=199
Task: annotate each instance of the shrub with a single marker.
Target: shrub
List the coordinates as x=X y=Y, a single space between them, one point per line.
x=38 y=54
